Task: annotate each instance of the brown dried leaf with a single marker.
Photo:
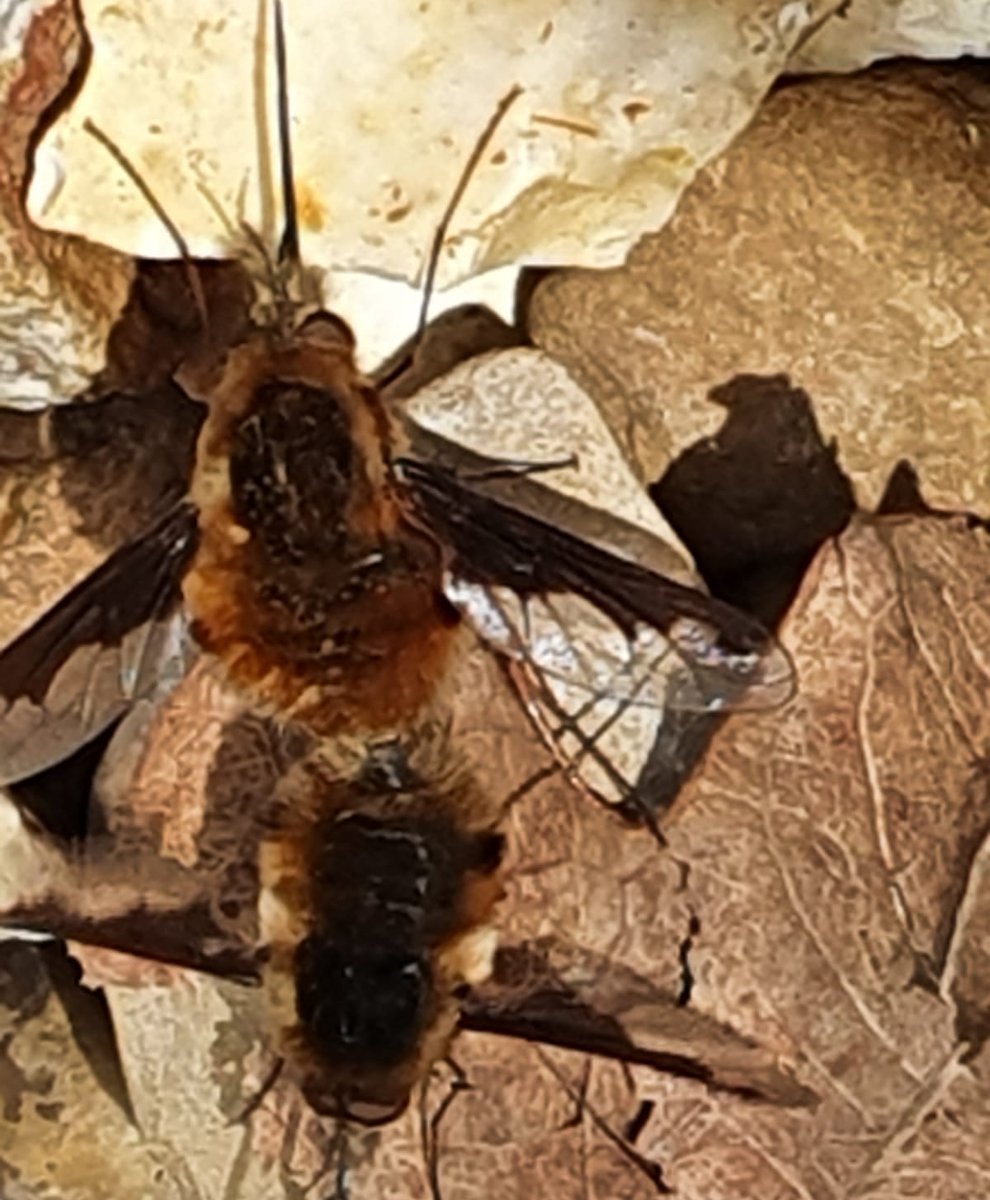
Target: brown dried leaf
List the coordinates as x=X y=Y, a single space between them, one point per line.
x=844 y=239
x=58 y=295
x=617 y=110
x=66 y=1129
x=831 y=849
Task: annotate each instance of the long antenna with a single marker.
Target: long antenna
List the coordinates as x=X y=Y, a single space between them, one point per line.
x=440 y=236
x=288 y=247
x=129 y=169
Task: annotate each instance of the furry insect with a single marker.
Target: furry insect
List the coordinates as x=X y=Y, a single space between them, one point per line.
x=314 y=558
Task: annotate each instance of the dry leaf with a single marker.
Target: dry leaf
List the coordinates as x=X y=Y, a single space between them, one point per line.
x=58 y=295
x=832 y=851
x=618 y=111
x=616 y=120
x=865 y=32
x=844 y=240
x=619 y=116
x=67 y=1129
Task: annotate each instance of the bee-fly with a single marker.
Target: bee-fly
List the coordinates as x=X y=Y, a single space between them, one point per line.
x=378 y=900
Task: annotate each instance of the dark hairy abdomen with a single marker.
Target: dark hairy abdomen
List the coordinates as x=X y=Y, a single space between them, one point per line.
x=386 y=892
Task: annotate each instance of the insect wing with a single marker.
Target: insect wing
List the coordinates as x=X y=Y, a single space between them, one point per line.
x=556 y=993
x=729 y=659
x=116 y=636
x=603 y=647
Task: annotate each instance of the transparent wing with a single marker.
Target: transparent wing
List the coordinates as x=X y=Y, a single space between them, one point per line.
x=570 y=640
x=116 y=636
x=603 y=698
x=607 y=649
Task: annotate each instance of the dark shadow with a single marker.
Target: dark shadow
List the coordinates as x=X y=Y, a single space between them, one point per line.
x=754 y=503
